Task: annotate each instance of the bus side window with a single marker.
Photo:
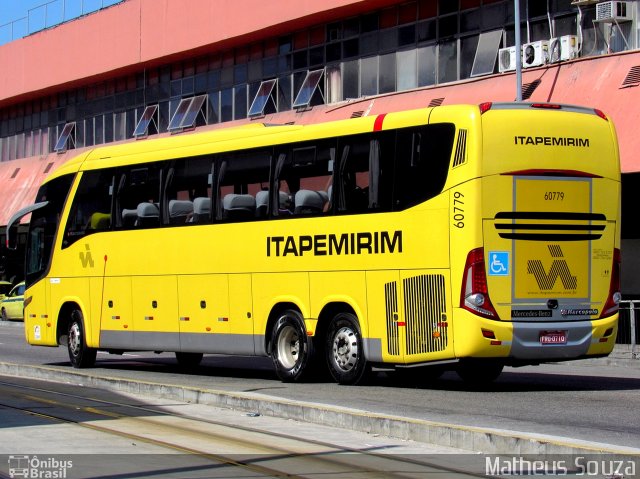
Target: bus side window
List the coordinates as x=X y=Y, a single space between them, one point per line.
x=187 y=180
x=422 y=163
x=364 y=181
x=305 y=179
x=91 y=208
x=240 y=179
x=138 y=197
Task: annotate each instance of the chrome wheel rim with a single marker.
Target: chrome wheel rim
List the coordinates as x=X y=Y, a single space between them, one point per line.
x=74 y=339
x=288 y=347
x=345 y=349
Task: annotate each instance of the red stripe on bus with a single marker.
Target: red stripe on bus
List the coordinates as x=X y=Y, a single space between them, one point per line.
x=377 y=126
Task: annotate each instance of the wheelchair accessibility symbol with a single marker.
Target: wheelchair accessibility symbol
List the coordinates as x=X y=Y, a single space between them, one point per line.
x=498 y=263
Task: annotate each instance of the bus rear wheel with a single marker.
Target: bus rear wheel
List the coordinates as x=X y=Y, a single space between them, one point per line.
x=344 y=350
x=80 y=355
x=291 y=351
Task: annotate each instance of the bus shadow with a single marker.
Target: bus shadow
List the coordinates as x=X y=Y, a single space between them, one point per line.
x=261 y=370
x=211 y=366
x=514 y=381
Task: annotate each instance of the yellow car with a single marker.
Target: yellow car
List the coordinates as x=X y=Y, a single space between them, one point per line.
x=12 y=306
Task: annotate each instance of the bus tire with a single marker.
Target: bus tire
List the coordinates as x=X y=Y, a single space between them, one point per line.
x=291 y=350
x=80 y=355
x=188 y=360
x=479 y=372
x=344 y=350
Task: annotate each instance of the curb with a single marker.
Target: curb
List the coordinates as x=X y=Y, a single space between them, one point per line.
x=482 y=440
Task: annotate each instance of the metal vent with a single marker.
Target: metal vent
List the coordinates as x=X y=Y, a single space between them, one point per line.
x=529 y=88
x=632 y=78
x=15 y=173
x=357 y=114
x=550 y=226
x=425 y=313
x=391 y=300
x=461 y=149
x=48 y=168
x=436 y=102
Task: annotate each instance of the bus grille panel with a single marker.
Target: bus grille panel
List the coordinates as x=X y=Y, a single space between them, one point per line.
x=424 y=308
x=391 y=300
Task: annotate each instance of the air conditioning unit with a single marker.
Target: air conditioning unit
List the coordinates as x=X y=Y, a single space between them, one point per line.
x=613 y=12
x=507 y=59
x=563 y=48
x=535 y=54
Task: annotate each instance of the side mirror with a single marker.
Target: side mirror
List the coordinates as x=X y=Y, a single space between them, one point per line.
x=12 y=236
x=12 y=225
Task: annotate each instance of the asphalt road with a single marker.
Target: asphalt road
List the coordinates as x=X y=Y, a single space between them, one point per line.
x=582 y=400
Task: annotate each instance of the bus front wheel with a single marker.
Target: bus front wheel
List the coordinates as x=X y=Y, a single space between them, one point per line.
x=80 y=355
x=345 y=352
x=291 y=351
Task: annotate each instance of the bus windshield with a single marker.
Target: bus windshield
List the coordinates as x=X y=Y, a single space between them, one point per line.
x=43 y=226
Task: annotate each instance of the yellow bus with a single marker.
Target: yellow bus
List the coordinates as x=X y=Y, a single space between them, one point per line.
x=460 y=237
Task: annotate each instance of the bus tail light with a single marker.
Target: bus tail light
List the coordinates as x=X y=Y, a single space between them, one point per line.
x=487 y=333
x=548 y=106
x=601 y=114
x=475 y=295
x=613 y=299
x=485 y=107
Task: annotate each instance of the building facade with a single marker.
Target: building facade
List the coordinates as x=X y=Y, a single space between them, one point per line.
x=142 y=68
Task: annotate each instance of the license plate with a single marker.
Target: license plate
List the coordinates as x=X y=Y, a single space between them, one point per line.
x=553 y=337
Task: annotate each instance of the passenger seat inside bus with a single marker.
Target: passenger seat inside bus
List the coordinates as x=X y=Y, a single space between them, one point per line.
x=262 y=203
x=129 y=218
x=148 y=215
x=100 y=221
x=238 y=207
x=310 y=202
x=180 y=211
x=284 y=203
x=201 y=210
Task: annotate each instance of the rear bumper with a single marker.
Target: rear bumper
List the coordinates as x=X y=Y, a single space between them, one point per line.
x=584 y=339
x=519 y=342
